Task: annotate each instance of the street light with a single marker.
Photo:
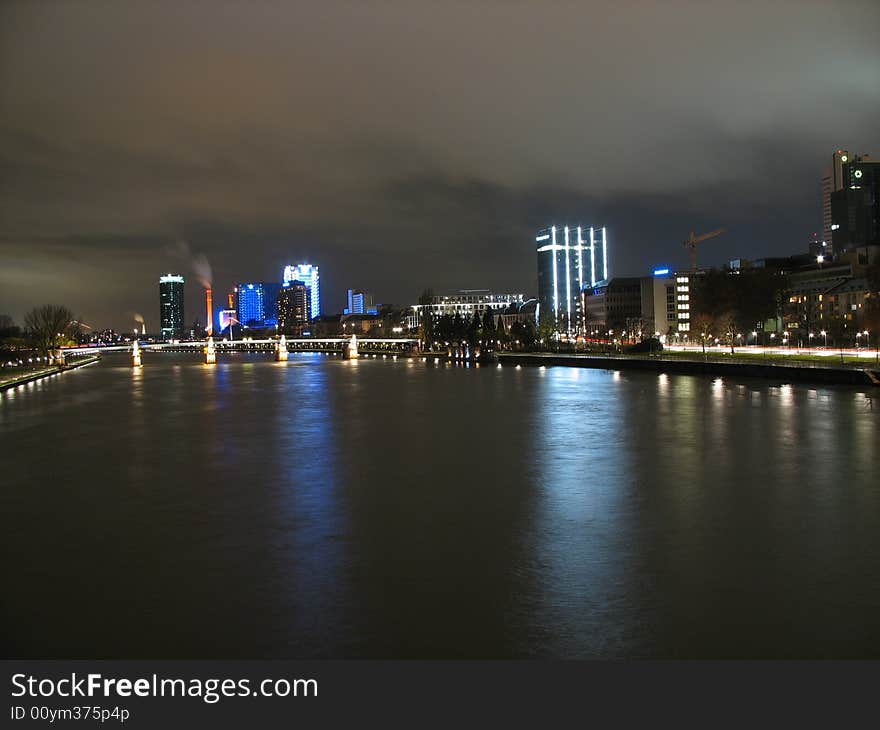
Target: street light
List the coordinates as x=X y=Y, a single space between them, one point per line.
x=825 y=335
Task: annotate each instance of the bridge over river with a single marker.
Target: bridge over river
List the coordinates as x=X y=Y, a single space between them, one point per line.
x=379 y=346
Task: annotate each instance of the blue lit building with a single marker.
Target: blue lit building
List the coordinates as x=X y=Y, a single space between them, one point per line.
x=308 y=275
x=250 y=304
x=257 y=304
x=360 y=302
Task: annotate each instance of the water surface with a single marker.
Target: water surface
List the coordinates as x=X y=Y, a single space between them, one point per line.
x=379 y=508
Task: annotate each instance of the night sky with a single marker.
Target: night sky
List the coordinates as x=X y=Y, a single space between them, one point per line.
x=405 y=145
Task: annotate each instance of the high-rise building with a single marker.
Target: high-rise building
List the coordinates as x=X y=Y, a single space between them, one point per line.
x=250 y=304
x=258 y=303
x=831 y=182
x=308 y=275
x=171 y=306
x=294 y=304
x=855 y=205
x=570 y=259
x=360 y=302
x=271 y=289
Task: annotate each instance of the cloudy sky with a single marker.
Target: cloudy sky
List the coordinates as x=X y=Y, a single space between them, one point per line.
x=404 y=145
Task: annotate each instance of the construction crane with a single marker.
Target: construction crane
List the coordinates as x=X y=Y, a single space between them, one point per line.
x=694 y=239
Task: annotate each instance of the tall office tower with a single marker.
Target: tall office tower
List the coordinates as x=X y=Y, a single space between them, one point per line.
x=855 y=205
x=308 y=275
x=258 y=303
x=570 y=259
x=294 y=304
x=831 y=182
x=171 y=306
x=250 y=305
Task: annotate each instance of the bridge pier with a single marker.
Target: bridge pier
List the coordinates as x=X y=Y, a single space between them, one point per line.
x=210 y=353
x=350 y=349
x=281 y=350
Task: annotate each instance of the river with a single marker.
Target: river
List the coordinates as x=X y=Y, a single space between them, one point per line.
x=323 y=508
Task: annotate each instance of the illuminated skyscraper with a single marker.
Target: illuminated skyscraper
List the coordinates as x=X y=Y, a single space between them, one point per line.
x=570 y=259
x=258 y=304
x=171 y=306
x=308 y=275
x=250 y=304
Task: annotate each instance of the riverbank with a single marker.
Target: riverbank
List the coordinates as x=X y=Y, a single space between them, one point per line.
x=660 y=364
x=33 y=375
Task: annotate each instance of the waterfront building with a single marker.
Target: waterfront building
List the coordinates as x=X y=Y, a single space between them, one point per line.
x=258 y=303
x=830 y=296
x=640 y=306
x=623 y=304
x=294 y=303
x=250 y=304
x=362 y=324
x=360 y=302
x=669 y=305
x=466 y=303
x=570 y=260
x=171 y=306
x=855 y=204
x=309 y=276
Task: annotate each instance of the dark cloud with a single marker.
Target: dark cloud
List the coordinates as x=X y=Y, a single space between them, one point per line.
x=404 y=144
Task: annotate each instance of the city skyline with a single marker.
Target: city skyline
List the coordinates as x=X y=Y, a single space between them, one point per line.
x=446 y=195
x=416 y=340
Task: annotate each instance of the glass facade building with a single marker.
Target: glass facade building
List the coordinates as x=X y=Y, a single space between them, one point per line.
x=257 y=304
x=570 y=259
x=309 y=276
x=171 y=306
x=250 y=304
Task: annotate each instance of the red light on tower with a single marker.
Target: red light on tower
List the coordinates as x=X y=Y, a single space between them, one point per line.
x=209 y=302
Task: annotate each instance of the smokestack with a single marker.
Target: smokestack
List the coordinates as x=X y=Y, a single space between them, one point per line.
x=209 y=328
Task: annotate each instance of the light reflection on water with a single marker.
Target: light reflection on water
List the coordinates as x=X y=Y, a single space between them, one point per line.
x=381 y=508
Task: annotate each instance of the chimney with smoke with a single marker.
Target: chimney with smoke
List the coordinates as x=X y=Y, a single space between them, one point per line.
x=209 y=302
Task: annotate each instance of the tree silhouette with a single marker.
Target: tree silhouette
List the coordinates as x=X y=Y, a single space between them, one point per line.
x=49 y=327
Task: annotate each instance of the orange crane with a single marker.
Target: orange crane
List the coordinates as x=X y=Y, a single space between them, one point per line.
x=694 y=239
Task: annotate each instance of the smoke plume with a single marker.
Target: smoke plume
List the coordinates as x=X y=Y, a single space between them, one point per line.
x=198 y=262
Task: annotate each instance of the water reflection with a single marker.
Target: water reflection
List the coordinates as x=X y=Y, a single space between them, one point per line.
x=373 y=508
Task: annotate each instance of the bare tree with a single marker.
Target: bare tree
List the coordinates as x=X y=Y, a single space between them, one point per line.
x=49 y=327
x=704 y=324
x=730 y=328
